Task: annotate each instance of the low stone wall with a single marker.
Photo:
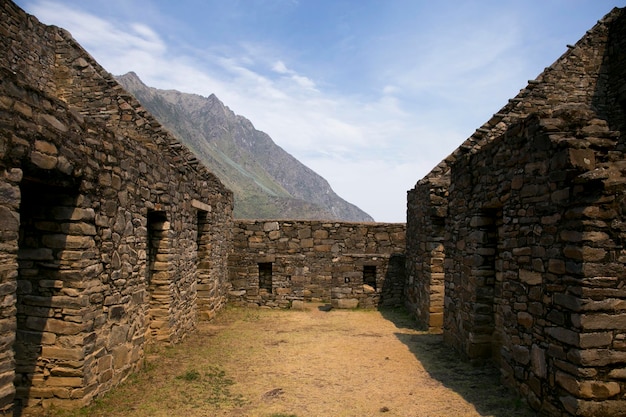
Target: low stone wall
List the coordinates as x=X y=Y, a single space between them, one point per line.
x=278 y=262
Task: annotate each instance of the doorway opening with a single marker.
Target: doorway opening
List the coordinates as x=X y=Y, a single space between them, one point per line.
x=158 y=275
x=54 y=234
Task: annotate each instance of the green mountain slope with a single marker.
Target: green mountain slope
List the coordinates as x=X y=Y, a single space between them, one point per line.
x=267 y=182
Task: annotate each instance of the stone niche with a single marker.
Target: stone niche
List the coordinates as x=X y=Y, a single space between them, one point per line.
x=278 y=262
x=527 y=219
x=111 y=235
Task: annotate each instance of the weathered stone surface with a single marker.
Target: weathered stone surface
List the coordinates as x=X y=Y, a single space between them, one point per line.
x=618 y=373
x=564 y=335
x=530 y=277
x=53 y=352
x=528 y=215
x=607 y=408
x=345 y=303
x=587 y=389
x=106 y=229
x=600 y=321
x=316 y=261
x=538 y=361
x=270 y=226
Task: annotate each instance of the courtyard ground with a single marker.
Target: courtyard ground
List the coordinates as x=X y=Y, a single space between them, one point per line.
x=309 y=363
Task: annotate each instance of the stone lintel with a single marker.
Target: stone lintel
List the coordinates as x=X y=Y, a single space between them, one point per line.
x=200 y=205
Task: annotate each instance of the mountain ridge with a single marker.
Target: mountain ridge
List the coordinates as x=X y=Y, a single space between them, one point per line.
x=266 y=180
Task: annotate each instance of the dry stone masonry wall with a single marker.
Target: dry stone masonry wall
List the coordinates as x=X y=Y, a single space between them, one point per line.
x=427 y=207
x=283 y=263
x=527 y=218
x=111 y=235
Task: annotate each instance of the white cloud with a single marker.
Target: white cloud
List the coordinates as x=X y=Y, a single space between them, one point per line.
x=460 y=69
x=300 y=80
x=94 y=32
x=382 y=185
x=280 y=67
x=146 y=39
x=371 y=150
x=303 y=82
x=391 y=89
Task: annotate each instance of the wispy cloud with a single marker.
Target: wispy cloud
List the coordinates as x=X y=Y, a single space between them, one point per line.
x=372 y=130
x=280 y=67
x=92 y=30
x=331 y=134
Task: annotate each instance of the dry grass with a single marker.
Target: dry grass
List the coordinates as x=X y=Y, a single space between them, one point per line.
x=270 y=363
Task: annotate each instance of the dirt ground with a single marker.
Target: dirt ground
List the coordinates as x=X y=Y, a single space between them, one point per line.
x=309 y=363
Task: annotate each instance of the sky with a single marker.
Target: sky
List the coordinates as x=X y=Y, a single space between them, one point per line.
x=370 y=94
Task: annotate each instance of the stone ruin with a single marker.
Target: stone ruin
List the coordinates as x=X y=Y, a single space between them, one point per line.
x=515 y=242
x=113 y=236
x=111 y=233
x=347 y=265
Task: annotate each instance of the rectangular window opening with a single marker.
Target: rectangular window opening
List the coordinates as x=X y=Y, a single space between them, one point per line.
x=157 y=225
x=369 y=275
x=202 y=229
x=265 y=276
x=203 y=243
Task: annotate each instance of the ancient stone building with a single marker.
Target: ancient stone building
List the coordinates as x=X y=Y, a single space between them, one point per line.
x=111 y=234
x=279 y=263
x=524 y=225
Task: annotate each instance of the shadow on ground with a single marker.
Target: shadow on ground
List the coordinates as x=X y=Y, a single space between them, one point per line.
x=478 y=384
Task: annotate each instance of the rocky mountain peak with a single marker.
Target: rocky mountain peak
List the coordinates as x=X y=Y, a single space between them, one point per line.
x=267 y=182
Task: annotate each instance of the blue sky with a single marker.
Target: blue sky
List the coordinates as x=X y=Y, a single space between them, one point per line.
x=371 y=94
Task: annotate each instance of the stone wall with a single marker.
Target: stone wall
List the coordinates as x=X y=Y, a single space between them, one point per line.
x=427 y=207
x=533 y=234
x=111 y=234
x=278 y=262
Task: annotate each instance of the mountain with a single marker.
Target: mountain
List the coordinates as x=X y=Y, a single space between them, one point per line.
x=267 y=182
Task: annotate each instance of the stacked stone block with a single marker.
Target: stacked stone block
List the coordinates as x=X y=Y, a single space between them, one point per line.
x=318 y=261
x=424 y=285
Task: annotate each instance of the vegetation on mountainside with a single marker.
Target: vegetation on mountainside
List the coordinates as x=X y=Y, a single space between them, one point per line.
x=266 y=181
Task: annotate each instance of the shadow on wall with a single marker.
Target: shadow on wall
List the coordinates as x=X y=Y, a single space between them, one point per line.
x=45 y=266
x=478 y=384
x=392 y=293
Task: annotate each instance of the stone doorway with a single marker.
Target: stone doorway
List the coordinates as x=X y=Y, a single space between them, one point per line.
x=55 y=242
x=483 y=280
x=158 y=276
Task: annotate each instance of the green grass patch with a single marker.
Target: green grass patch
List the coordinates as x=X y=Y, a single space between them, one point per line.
x=211 y=386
